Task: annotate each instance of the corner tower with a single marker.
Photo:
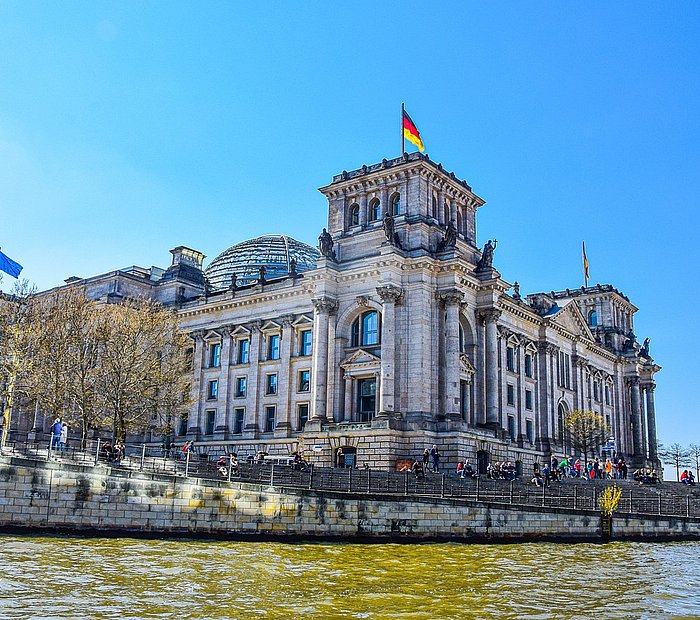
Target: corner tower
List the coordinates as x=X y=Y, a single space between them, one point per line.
x=422 y=200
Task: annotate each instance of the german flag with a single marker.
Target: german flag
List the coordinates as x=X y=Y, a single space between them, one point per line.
x=585 y=262
x=410 y=132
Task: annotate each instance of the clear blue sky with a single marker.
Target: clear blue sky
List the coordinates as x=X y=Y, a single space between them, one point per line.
x=128 y=128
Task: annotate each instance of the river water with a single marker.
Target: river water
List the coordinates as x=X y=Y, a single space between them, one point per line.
x=74 y=577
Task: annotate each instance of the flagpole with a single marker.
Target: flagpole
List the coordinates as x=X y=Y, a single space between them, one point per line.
x=403 y=141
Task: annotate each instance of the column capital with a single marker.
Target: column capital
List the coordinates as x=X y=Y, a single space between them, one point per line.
x=324 y=304
x=255 y=327
x=547 y=347
x=450 y=296
x=649 y=387
x=389 y=293
x=287 y=320
x=489 y=315
x=632 y=381
x=197 y=335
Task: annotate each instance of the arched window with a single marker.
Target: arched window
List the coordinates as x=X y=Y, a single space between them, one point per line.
x=446 y=213
x=374 y=210
x=434 y=213
x=354 y=215
x=461 y=340
x=365 y=329
x=396 y=204
x=593 y=318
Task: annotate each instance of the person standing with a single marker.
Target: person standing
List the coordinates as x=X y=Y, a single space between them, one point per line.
x=63 y=437
x=435 y=457
x=56 y=428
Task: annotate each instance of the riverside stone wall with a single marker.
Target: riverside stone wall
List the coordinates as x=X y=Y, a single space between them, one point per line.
x=57 y=496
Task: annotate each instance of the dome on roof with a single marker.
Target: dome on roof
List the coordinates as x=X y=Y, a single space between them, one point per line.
x=245 y=259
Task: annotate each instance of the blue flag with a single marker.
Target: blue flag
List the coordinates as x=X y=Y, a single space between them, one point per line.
x=9 y=266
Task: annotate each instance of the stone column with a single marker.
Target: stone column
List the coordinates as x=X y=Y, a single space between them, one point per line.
x=651 y=422
x=643 y=418
x=194 y=424
x=389 y=294
x=347 y=405
x=383 y=204
x=452 y=299
x=453 y=212
x=319 y=379
x=636 y=418
x=364 y=216
x=490 y=318
x=221 y=425
x=545 y=351
x=253 y=415
x=285 y=381
x=441 y=208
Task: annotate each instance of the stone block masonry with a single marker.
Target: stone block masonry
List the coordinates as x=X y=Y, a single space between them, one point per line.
x=35 y=495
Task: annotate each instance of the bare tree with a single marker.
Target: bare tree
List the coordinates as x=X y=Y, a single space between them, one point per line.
x=586 y=430
x=142 y=365
x=676 y=455
x=695 y=456
x=17 y=344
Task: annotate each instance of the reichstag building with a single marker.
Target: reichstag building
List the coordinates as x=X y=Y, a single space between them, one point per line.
x=397 y=333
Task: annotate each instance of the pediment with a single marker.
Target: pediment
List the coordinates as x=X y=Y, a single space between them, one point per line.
x=571 y=319
x=240 y=331
x=360 y=359
x=271 y=326
x=303 y=321
x=212 y=334
x=465 y=365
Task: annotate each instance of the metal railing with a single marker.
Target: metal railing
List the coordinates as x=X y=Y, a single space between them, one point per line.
x=666 y=499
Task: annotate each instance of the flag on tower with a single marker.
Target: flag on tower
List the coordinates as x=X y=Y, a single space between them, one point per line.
x=585 y=263
x=9 y=266
x=410 y=131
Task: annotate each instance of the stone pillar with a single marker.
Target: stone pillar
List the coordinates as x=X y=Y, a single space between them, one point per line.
x=364 y=216
x=389 y=294
x=347 y=405
x=636 y=419
x=643 y=418
x=319 y=378
x=285 y=381
x=490 y=318
x=332 y=369
x=253 y=414
x=452 y=299
x=193 y=422
x=543 y=432
x=453 y=212
x=441 y=208
x=221 y=424
x=651 y=423
x=383 y=202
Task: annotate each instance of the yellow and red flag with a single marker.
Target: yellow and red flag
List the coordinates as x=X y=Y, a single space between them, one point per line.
x=410 y=132
x=585 y=263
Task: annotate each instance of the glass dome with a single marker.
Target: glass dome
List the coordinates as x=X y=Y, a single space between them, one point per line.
x=244 y=259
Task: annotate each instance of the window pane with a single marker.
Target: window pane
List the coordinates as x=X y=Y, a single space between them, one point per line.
x=304 y=380
x=269 y=419
x=303 y=413
x=355 y=333
x=238 y=415
x=369 y=328
x=305 y=348
x=213 y=389
x=241 y=386
x=211 y=417
x=215 y=355
x=272 y=384
x=243 y=351
x=274 y=350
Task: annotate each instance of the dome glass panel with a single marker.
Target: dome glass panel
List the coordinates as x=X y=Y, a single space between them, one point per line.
x=274 y=252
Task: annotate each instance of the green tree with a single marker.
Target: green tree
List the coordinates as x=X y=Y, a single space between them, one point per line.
x=586 y=431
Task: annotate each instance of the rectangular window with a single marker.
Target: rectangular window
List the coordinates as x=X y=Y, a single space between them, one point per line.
x=238 y=417
x=241 y=384
x=607 y=394
x=304 y=380
x=273 y=347
x=510 y=394
x=189 y=358
x=511 y=427
x=213 y=389
x=510 y=359
x=305 y=343
x=528 y=365
x=567 y=370
x=243 y=349
x=596 y=391
x=215 y=355
x=528 y=399
x=530 y=431
x=269 y=419
x=303 y=414
x=211 y=418
x=271 y=384
x=183 y=426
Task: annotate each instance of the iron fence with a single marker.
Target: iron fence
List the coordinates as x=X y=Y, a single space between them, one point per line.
x=665 y=499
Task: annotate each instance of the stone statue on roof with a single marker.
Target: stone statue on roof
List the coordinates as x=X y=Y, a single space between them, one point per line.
x=486 y=261
x=325 y=245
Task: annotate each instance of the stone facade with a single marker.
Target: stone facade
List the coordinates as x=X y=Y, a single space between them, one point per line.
x=416 y=340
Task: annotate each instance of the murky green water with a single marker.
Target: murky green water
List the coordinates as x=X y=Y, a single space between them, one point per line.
x=125 y=578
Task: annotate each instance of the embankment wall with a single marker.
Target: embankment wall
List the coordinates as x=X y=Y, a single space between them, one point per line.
x=36 y=495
